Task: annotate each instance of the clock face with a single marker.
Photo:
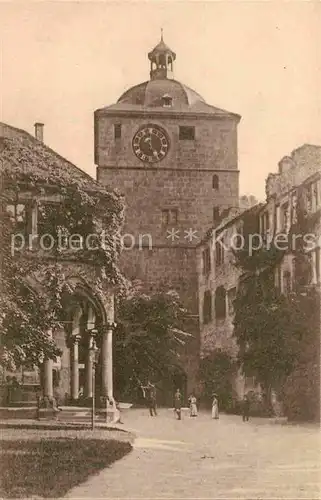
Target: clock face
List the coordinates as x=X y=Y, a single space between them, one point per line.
x=150 y=143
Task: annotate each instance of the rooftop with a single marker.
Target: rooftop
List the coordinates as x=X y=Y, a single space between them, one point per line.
x=23 y=157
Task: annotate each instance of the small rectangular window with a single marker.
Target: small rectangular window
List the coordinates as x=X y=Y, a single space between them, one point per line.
x=174 y=216
x=165 y=217
x=169 y=216
x=186 y=133
x=167 y=101
x=117 y=130
x=21 y=215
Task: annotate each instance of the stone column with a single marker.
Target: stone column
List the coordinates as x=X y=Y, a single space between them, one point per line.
x=48 y=379
x=89 y=357
x=107 y=360
x=47 y=375
x=89 y=369
x=74 y=367
x=226 y=304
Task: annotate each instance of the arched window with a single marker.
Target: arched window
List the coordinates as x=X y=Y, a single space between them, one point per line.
x=162 y=61
x=215 y=182
x=220 y=303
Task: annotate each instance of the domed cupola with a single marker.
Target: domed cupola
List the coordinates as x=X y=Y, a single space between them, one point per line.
x=161 y=61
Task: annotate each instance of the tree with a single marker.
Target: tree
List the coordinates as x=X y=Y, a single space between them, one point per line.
x=26 y=315
x=270 y=327
x=216 y=373
x=148 y=339
x=33 y=286
x=301 y=390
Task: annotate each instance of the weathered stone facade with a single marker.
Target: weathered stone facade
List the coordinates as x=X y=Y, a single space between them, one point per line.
x=294 y=201
x=218 y=283
x=296 y=187
x=298 y=182
x=195 y=181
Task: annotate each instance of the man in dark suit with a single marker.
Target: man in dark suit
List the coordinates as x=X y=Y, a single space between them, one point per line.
x=246 y=408
x=149 y=392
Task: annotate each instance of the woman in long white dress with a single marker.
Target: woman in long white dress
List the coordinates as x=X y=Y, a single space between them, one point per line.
x=215 y=407
x=193 y=405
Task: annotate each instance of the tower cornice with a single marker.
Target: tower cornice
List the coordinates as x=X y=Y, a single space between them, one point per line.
x=149 y=114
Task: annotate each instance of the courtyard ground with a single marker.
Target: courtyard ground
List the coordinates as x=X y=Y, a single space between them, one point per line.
x=206 y=459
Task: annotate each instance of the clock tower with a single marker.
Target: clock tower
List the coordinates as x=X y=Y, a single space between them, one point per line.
x=174 y=157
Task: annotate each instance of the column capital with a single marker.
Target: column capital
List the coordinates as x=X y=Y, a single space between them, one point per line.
x=109 y=325
x=74 y=339
x=91 y=332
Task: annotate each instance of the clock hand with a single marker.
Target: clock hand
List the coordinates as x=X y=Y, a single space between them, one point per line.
x=149 y=140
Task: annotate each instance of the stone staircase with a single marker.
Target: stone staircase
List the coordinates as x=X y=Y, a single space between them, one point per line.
x=66 y=414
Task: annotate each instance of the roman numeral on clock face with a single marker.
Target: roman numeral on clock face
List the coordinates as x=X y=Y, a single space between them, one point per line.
x=150 y=143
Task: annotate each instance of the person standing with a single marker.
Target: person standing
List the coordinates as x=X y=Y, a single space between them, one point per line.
x=246 y=408
x=178 y=404
x=149 y=392
x=193 y=405
x=116 y=411
x=215 y=414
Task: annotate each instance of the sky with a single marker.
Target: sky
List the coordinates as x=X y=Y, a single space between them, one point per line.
x=59 y=61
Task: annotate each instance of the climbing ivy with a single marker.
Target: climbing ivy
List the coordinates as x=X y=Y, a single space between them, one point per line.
x=33 y=287
x=271 y=328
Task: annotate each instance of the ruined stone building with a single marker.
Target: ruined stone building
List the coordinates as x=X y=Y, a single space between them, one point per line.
x=292 y=213
x=293 y=209
x=296 y=188
x=218 y=281
x=174 y=157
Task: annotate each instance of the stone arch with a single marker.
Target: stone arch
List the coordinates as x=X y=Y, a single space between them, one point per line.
x=94 y=328
x=83 y=291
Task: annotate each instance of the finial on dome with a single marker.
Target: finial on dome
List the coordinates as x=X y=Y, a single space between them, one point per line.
x=161 y=58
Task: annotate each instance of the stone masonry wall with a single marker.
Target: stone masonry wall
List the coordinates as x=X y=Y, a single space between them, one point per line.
x=148 y=192
x=214 y=147
x=182 y=180
x=218 y=332
x=172 y=269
